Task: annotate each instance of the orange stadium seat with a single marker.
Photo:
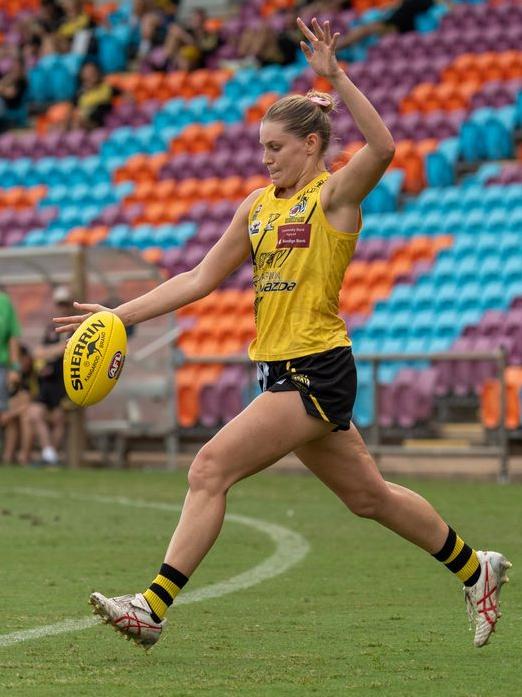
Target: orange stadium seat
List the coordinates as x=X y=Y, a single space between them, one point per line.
x=153 y=255
x=258 y=181
x=400 y=267
x=143 y=192
x=378 y=272
x=355 y=300
x=154 y=213
x=490 y=400
x=96 y=234
x=347 y=153
x=175 y=210
x=187 y=394
x=442 y=242
x=421 y=249
x=233 y=187
x=356 y=273
x=212 y=189
x=137 y=169
x=411 y=161
x=35 y=194
x=256 y=112
x=189 y=189
x=14 y=198
x=511 y=64
x=381 y=290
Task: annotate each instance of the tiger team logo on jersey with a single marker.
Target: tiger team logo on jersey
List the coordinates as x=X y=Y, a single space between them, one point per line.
x=298 y=209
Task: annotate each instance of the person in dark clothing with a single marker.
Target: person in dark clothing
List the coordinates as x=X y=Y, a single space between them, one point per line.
x=400 y=19
x=46 y=414
x=93 y=100
x=13 y=89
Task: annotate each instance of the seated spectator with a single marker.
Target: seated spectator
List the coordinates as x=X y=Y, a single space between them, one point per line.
x=188 y=45
x=266 y=46
x=46 y=414
x=13 y=90
x=9 y=351
x=15 y=422
x=37 y=30
x=75 y=32
x=153 y=19
x=401 y=18
x=93 y=100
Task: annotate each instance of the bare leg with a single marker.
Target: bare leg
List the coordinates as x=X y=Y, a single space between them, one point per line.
x=342 y=461
x=38 y=418
x=57 y=427
x=26 y=439
x=10 y=441
x=270 y=427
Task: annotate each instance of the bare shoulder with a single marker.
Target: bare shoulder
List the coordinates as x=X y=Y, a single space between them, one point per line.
x=239 y=222
x=248 y=202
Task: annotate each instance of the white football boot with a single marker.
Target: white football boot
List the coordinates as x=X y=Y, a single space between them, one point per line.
x=130 y=615
x=482 y=599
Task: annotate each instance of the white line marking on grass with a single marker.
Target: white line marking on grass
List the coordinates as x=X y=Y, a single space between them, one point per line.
x=291 y=548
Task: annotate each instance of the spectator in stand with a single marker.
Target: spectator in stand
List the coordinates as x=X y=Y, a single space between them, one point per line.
x=400 y=19
x=188 y=45
x=17 y=427
x=75 y=32
x=9 y=351
x=37 y=31
x=266 y=46
x=13 y=90
x=153 y=18
x=46 y=414
x=93 y=100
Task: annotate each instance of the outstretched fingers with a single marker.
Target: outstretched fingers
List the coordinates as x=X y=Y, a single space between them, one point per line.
x=306 y=31
x=318 y=29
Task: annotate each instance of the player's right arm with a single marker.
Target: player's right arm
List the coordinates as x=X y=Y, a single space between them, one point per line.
x=231 y=250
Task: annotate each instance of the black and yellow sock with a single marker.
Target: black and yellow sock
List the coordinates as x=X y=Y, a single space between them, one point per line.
x=162 y=591
x=459 y=558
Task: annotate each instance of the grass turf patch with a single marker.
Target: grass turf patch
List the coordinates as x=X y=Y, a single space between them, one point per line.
x=364 y=613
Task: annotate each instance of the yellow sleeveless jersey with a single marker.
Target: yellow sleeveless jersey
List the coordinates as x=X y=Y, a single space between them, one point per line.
x=299 y=263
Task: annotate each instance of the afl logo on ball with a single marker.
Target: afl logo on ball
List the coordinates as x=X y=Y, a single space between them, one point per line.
x=115 y=365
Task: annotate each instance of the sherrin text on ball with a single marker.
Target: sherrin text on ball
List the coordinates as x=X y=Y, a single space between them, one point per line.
x=94 y=358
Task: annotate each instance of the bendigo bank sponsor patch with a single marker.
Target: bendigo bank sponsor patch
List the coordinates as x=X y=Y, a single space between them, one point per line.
x=293 y=235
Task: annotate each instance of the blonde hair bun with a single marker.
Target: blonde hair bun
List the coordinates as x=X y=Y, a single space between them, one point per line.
x=323 y=99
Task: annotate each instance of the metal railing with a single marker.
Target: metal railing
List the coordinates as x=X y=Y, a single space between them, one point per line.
x=374 y=443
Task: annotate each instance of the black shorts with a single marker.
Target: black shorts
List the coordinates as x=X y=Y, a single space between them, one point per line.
x=51 y=393
x=326 y=381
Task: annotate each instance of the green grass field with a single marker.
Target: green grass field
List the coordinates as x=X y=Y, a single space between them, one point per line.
x=363 y=613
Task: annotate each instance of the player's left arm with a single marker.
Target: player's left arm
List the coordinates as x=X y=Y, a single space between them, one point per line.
x=349 y=185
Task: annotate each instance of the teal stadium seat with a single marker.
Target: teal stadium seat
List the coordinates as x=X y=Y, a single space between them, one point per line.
x=498 y=133
x=440 y=164
x=119 y=236
x=113 y=48
x=472 y=141
x=384 y=197
x=471 y=197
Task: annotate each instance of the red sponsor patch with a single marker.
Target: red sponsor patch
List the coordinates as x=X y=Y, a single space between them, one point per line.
x=293 y=235
x=115 y=365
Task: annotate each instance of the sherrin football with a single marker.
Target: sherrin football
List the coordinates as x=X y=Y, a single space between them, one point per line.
x=94 y=357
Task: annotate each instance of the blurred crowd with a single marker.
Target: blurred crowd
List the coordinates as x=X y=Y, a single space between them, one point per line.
x=160 y=40
x=33 y=402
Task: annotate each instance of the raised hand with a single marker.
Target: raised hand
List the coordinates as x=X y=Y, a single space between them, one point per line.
x=321 y=55
x=71 y=323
